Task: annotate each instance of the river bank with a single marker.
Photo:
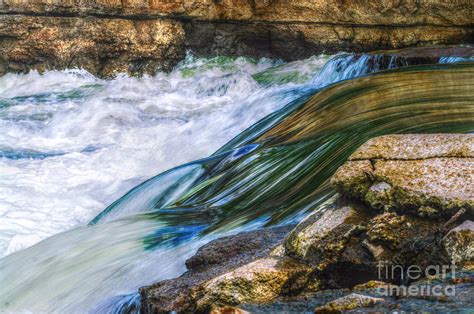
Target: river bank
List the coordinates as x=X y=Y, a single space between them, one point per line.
x=142 y=37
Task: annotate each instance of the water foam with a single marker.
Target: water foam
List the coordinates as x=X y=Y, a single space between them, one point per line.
x=66 y=135
x=72 y=143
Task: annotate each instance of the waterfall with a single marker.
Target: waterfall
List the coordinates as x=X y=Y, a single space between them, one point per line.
x=272 y=173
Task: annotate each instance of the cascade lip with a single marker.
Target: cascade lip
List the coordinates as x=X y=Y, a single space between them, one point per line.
x=453 y=120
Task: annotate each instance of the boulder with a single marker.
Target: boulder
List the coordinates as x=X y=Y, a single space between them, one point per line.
x=459 y=245
x=347 y=303
x=429 y=174
x=321 y=238
x=261 y=281
x=212 y=260
x=401 y=196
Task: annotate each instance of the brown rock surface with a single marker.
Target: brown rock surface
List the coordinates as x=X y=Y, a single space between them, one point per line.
x=459 y=244
x=260 y=281
x=416 y=146
x=380 y=12
x=429 y=174
x=101 y=46
x=211 y=261
x=88 y=36
x=321 y=238
x=347 y=303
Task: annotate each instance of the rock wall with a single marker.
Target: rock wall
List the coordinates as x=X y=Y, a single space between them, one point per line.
x=107 y=36
x=101 y=46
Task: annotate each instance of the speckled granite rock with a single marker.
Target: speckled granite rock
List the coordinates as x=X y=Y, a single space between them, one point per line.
x=416 y=146
x=459 y=243
x=427 y=174
x=347 y=303
x=258 y=282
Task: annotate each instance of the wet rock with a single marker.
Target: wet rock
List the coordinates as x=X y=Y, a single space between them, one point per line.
x=419 y=301
x=371 y=285
x=322 y=237
x=459 y=244
x=431 y=174
x=228 y=310
x=211 y=261
x=257 y=282
x=240 y=248
x=347 y=303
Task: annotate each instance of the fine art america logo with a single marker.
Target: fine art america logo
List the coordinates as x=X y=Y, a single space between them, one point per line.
x=390 y=273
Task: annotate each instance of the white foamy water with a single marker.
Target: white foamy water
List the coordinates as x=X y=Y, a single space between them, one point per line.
x=70 y=143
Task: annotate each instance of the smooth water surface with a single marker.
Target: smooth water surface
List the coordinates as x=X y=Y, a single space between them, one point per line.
x=272 y=173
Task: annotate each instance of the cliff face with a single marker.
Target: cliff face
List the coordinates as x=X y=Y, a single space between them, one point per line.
x=137 y=36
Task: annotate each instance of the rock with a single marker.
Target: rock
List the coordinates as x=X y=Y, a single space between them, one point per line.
x=140 y=37
x=416 y=146
x=347 y=303
x=321 y=237
x=346 y=243
x=431 y=174
x=394 y=181
x=239 y=248
x=228 y=310
x=321 y=11
x=210 y=261
x=371 y=285
x=354 y=178
x=100 y=45
x=459 y=244
x=257 y=282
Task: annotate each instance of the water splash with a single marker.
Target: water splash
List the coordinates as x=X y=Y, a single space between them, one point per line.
x=67 y=134
x=271 y=174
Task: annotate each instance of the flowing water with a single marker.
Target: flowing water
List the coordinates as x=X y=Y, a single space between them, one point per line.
x=63 y=154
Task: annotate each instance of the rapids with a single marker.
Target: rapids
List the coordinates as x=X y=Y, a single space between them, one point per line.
x=63 y=154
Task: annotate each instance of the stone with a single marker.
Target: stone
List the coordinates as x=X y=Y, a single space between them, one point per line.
x=352 y=241
x=347 y=303
x=214 y=259
x=322 y=237
x=354 y=178
x=258 y=282
x=416 y=146
x=143 y=37
x=102 y=46
x=459 y=244
x=430 y=174
x=371 y=285
x=332 y=242
x=228 y=310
